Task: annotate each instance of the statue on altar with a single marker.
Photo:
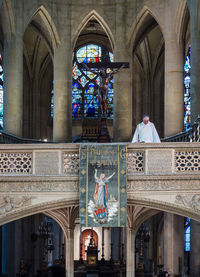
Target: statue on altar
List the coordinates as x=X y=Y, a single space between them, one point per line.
x=92 y=252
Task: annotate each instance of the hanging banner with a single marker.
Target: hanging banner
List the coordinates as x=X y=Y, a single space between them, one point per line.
x=103 y=185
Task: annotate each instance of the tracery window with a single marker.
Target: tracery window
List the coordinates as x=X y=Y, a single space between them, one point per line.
x=85 y=84
x=187 y=235
x=187 y=97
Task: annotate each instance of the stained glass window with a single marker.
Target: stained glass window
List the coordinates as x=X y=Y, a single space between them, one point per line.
x=1 y=94
x=187 y=97
x=52 y=101
x=187 y=235
x=85 y=85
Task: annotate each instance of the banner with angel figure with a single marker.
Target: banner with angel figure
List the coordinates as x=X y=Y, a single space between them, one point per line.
x=103 y=185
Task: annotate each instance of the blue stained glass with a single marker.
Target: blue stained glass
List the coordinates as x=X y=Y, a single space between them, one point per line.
x=86 y=84
x=91 y=75
x=98 y=81
x=111 y=57
x=187 y=239
x=83 y=81
x=52 y=103
x=187 y=235
x=187 y=66
x=187 y=97
x=76 y=101
x=89 y=53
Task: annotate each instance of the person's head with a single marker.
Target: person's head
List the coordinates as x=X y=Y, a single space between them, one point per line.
x=146 y=119
x=102 y=176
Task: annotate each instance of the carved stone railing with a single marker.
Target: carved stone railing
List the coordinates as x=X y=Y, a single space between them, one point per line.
x=41 y=177
x=63 y=159
x=192 y=135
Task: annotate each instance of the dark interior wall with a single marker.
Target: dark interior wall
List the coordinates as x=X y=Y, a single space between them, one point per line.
x=37 y=86
x=148 y=77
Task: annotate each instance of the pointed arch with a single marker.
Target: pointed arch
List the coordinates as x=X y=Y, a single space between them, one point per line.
x=163 y=206
x=53 y=36
x=181 y=18
x=65 y=217
x=39 y=208
x=8 y=22
x=93 y=15
x=134 y=34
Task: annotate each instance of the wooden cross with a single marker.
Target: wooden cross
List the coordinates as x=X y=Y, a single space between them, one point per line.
x=105 y=69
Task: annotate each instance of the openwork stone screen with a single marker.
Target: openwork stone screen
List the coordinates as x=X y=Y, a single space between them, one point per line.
x=15 y=163
x=70 y=163
x=187 y=160
x=135 y=162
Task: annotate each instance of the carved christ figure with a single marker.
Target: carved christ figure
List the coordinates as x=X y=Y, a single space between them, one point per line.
x=101 y=191
x=103 y=92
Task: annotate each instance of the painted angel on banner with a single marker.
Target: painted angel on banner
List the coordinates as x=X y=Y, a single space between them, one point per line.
x=101 y=191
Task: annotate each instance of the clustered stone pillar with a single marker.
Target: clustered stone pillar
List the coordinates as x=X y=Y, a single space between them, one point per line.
x=130 y=252
x=122 y=83
x=174 y=89
x=107 y=239
x=62 y=121
x=13 y=85
x=173 y=244
x=195 y=249
x=69 y=261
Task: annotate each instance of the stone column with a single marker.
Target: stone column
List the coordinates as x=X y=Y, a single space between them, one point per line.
x=174 y=89
x=107 y=239
x=130 y=253
x=195 y=249
x=69 y=260
x=13 y=85
x=62 y=121
x=122 y=128
x=194 y=6
x=173 y=244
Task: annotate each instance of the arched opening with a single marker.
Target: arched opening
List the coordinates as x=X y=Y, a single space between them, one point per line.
x=86 y=236
x=92 y=45
x=148 y=73
x=32 y=246
x=163 y=246
x=37 y=80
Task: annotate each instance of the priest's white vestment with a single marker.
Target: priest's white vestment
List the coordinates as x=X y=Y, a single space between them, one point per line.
x=146 y=133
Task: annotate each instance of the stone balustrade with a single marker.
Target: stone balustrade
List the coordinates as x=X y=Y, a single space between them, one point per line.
x=63 y=159
x=41 y=177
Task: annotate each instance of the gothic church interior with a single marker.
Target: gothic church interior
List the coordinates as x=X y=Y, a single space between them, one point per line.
x=50 y=104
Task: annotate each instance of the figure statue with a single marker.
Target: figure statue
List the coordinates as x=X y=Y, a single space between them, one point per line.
x=105 y=76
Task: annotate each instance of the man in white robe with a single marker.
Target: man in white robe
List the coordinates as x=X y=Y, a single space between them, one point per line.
x=146 y=132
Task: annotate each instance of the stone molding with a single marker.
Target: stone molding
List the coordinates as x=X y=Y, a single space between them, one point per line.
x=176 y=192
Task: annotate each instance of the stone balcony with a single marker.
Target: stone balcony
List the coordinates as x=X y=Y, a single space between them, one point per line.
x=41 y=177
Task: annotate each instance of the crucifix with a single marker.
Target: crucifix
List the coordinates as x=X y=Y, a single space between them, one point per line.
x=105 y=70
